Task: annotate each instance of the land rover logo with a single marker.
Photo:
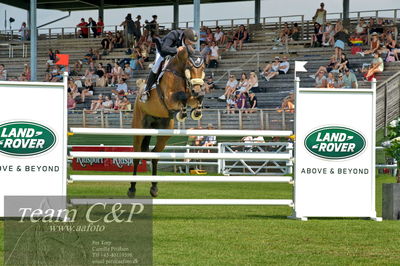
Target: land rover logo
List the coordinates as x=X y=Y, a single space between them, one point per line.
x=25 y=138
x=334 y=142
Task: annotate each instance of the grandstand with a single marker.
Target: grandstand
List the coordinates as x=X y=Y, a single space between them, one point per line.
x=260 y=49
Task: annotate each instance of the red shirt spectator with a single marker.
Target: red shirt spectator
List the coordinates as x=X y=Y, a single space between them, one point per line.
x=100 y=26
x=84 y=32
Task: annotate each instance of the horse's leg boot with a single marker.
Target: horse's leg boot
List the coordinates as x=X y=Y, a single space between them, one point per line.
x=152 y=78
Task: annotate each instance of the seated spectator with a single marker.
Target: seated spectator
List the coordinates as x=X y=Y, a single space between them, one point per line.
x=57 y=74
x=209 y=85
x=243 y=37
x=230 y=87
x=51 y=60
x=100 y=26
x=370 y=26
x=26 y=74
x=331 y=67
x=117 y=101
x=339 y=82
x=287 y=104
x=361 y=30
x=253 y=102
x=377 y=66
x=84 y=30
x=137 y=55
x=118 y=41
x=219 y=36
x=285 y=33
x=316 y=38
x=97 y=104
x=91 y=70
x=330 y=81
x=209 y=36
x=88 y=89
x=253 y=83
x=375 y=45
x=272 y=69
x=320 y=80
x=128 y=72
x=71 y=103
x=107 y=43
x=125 y=104
x=341 y=37
x=89 y=56
x=205 y=51
x=241 y=102
x=73 y=89
x=209 y=141
x=343 y=64
x=282 y=69
x=198 y=140
x=295 y=32
x=107 y=103
x=389 y=48
x=122 y=87
x=116 y=73
x=349 y=79
x=327 y=35
x=203 y=35
x=213 y=56
x=230 y=104
x=243 y=83
x=93 y=25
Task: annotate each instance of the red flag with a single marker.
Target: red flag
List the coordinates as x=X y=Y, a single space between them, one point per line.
x=62 y=59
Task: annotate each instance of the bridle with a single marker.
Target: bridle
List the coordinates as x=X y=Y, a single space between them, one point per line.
x=196 y=61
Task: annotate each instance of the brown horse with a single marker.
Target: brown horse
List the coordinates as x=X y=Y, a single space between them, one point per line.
x=180 y=86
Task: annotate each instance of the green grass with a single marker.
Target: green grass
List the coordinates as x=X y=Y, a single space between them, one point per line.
x=244 y=235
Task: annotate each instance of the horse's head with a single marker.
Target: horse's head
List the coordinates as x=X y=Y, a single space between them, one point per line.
x=194 y=73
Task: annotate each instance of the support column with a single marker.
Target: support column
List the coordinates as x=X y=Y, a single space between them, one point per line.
x=346 y=8
x=257 y=11
x=33 y=31
x=176 y=14
x=101 y=9
x=196 y=6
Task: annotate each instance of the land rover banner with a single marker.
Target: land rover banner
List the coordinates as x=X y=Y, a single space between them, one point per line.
x=32 y=135
x=335 y=153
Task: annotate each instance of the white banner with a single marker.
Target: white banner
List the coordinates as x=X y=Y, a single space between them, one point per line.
x=33 y=139
x=335 y=153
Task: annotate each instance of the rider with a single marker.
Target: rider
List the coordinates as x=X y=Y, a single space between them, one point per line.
x=171 y=44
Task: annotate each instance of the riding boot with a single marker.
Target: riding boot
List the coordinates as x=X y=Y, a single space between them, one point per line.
x=152 y=78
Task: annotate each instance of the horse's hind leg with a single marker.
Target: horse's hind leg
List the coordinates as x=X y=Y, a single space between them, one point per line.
x=160 y=145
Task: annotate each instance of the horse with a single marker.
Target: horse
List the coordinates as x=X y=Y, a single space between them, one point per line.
x=181 y=85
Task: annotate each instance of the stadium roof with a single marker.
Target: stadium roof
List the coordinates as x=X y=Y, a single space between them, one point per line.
x=75 y=5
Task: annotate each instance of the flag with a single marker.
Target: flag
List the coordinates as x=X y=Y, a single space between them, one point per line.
x=63 y=59
x=299 y=66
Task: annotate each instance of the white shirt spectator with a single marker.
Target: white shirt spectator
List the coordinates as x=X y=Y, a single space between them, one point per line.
x=284 y=66
x=214 y=51
x=232 y=84
x=122 y=87
x=218 y=36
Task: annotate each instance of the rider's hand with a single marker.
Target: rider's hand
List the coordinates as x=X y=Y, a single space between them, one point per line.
x=180 y=48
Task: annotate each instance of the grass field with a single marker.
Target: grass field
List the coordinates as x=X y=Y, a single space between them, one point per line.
x=252 y=235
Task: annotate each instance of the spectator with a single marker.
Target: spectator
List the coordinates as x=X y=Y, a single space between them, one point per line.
x=361 y=30
x=332 y=66
x=341 y=37
x=287 y=104
x=107 y=43
x=320 y=80
x=229 y=45
x=219 y=36
x=370 y=26
x=118 y=41
x=243 y=83
x=93 y=25
x=84 y=30
x=73 y=89
x=295 y=32
x=107 y=103
x=71 y=103
x=203 y=35
x=316 y=38
x=253 y=102
x=139 y=58
x=77 y=68
x=283 y=68
x=27 y=72
x=91 y=56
x=138 y=29
x=24 y=32
x=253 y=83
x=144 y=50
x=128 y=72
x=270 y=69
x=320 y=15
x=377 y=66
x=213 y=56
x=209 y=141
x=209 y=36
x=97 y=104
x=122 y=87
x=125 y=104
x=349 y=79
x=374 y=45
x=129 y=29
x=343 y=64
x=116 y=73
x=230 y=87
x=100 y=26
x=330 y=81
x=389 y=47
x=339 y=83
x=153 y=26
x=285 y=33
x=88 y=90
x=241 y=102
x=50 y=61
x=117 y=101
x=327 y=36
x=243 y=37
x=230 y=104
x=205 y=50
x=209 y=85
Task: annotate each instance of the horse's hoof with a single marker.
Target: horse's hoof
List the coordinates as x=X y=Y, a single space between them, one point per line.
x=131 y=192
x=154 y=192
x=196 y=115
x=181 y=117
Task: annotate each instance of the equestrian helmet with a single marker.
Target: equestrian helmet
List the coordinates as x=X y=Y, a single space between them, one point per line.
x=191 y=35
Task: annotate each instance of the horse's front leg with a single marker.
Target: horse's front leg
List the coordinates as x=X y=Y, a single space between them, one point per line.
x=160 y=145
x=181 y=115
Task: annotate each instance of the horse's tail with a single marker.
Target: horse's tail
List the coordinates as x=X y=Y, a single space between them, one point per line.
x=145 y=144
